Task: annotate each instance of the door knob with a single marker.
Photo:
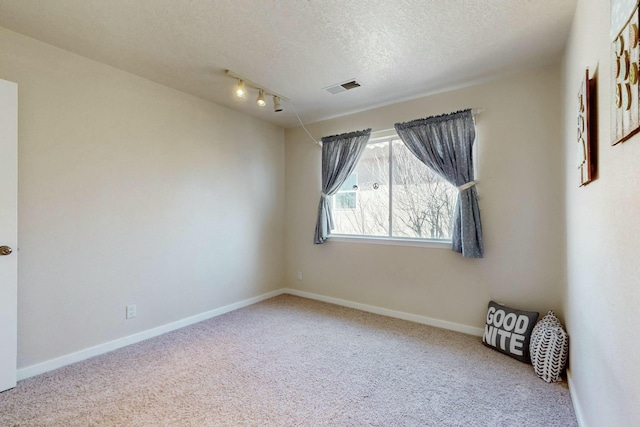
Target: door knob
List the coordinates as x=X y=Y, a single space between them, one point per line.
x=5 y=250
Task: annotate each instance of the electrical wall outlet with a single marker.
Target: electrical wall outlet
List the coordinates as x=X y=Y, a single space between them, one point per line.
x=299 y=275
x=131 y=311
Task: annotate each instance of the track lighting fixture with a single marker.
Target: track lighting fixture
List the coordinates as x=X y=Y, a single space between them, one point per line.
x=276 y=104
x=261 y=101
x=243 y=85
x=241 y=91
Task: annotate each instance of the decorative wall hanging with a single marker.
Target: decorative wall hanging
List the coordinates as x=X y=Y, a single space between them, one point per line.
x=620 y=12
x=587 y=133
x=625 y=62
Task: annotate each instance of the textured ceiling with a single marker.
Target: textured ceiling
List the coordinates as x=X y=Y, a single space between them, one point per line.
x=396 y=49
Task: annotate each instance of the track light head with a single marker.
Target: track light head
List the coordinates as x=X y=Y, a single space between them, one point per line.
x=261 y=101
x=276 y=104
x=240 y=90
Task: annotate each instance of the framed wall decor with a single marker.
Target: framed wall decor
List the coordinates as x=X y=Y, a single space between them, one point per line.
x=625 y=70
x=587 y=132
x=621 y=10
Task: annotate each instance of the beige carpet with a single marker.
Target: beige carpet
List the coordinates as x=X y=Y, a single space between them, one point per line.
x=290 y=361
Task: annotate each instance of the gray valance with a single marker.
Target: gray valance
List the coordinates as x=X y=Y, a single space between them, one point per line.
x=340 y=155
x=444 y=143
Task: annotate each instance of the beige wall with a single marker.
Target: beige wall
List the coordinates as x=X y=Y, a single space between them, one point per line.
x=521 y=201
x=131 y=192
x=603 y=241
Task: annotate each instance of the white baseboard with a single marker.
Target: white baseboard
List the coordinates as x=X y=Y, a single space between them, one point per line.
x=97 y=350
x=424 y=320
x=575 y=401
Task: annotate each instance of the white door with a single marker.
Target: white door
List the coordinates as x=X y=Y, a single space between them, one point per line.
x=8 y=233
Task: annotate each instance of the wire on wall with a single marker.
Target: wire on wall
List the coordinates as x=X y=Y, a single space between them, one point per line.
x=315 y=141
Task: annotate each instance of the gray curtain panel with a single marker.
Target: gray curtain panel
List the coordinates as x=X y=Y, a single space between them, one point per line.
x=340 y=155
x=444 y=143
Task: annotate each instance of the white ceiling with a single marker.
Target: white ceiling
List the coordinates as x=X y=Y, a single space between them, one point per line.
x=396 y=49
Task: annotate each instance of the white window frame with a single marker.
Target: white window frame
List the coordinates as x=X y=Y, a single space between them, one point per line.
x=391 y=241
x=388 y=136
x=334 y=197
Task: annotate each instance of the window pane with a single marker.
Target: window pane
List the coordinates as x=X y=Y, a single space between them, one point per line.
x=345 y=200
x=350 y=182
x=370 y=215
x=422 y=201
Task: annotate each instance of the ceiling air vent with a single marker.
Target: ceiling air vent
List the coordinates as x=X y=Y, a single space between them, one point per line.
x=341 y=87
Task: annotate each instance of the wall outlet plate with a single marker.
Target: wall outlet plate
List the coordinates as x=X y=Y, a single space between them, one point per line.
x=131 y=311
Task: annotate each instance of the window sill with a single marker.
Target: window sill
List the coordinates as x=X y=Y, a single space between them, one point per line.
x=391 y=241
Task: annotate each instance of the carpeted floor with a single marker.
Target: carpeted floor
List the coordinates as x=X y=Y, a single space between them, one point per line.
x=290 y=361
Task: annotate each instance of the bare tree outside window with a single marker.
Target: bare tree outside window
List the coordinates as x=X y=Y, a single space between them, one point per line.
x=421 y=203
